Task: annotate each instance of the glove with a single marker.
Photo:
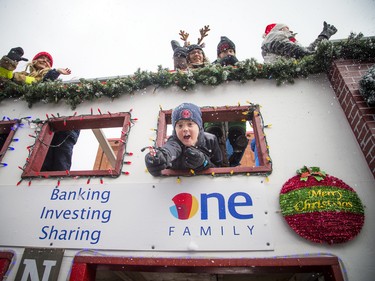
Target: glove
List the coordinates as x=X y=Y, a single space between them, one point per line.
x=155 y=164
x=196 y=159
x=328 y=30
x=228 y=60
x=178 y=51
x=16 y=54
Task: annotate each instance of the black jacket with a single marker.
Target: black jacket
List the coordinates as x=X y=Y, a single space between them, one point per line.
x=174 y=151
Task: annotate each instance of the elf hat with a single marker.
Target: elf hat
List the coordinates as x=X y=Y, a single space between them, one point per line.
x=225 y=44
x=44 y=54
x=187 y=111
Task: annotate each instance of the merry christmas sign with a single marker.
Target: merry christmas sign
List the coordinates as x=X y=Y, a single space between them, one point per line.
x=321 y=208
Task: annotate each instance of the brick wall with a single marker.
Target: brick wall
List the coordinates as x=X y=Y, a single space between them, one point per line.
x=344 y=76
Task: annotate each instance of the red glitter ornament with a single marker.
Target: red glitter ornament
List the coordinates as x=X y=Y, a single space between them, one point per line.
x=321 y=208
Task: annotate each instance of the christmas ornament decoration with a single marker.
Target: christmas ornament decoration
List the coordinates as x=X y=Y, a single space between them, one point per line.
x=320 y=207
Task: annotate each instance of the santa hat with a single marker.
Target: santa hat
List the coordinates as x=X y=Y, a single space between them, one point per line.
x=187 y=111
x=45 y=54
x=225 y=44
x=271 y=26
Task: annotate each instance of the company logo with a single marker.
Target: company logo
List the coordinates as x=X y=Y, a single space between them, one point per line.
x=185 y=206
x=238 y=205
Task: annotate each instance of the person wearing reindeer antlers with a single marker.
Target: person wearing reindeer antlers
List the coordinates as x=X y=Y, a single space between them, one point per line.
x=190 y=56
x=280 y=42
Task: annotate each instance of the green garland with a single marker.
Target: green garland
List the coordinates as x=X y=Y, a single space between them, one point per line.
x=284 y=71
x=367 y=86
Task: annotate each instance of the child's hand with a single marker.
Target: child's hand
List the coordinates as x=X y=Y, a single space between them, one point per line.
x=195 y=159
x=155 y=162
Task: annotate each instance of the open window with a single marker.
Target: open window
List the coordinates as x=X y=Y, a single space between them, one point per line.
x=254 y=160
x=90 y=268
x=7 y=131
x=77 y=139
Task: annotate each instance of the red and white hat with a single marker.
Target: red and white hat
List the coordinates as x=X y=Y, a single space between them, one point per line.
x=271 y=26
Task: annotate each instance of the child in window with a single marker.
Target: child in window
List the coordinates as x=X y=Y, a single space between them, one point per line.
x=189 y=147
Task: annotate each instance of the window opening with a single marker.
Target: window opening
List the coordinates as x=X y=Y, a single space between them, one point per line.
x=238 y=128
x=7 y=131
x=76 y=139
x=133 y=269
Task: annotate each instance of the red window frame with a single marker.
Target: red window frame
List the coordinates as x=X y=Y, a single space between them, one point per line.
x=39 y=151
x=84 y=267
x=221 y=114
x=7 y=127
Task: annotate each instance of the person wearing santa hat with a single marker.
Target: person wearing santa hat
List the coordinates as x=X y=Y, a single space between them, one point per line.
x=39 y=69
x=280 y=42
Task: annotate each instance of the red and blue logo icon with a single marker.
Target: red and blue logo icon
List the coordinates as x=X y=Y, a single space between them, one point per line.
x=185 y=206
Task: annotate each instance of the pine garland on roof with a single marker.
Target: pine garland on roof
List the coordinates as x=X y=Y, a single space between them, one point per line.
x=284 y=71
x=367 y=86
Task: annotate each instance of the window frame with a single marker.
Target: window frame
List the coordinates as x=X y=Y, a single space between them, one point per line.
x=38 y=154
x=7 y=125
x=85 y=267
x=5 y=261
x=223 y=114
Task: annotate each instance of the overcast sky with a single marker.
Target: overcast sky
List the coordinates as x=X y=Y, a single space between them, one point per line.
x=104 y=38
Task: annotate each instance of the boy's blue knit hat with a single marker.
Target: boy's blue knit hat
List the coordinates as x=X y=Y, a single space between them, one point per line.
x=187 y=111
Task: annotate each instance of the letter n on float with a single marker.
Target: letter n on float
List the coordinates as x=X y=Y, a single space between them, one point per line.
x=40 y=264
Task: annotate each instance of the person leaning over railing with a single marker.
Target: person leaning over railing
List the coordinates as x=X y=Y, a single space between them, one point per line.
x=39 y=69
x=60 y=152
x=280 y=42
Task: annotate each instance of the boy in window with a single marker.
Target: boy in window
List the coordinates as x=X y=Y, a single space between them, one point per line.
x=189 y=147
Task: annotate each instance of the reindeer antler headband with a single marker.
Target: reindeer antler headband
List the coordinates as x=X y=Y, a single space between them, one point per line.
x=203 y=32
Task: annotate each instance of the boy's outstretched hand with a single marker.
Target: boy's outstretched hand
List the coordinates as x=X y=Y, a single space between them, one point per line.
x=196 y=159
x=155 y=162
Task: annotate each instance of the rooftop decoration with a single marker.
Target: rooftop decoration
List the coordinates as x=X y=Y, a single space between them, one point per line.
x=284 y=71
x=367 y=86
